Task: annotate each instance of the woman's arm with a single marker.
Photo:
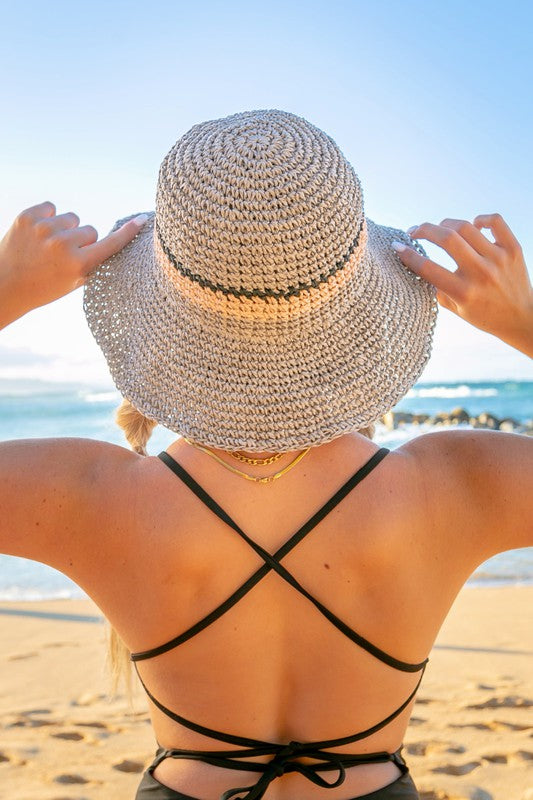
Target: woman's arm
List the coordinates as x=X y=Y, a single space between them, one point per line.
x=48 y=487
x=481 y=482
x=44 y=257
x=491 y=288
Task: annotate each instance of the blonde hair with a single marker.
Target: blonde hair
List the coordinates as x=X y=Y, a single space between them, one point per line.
x=137 y=430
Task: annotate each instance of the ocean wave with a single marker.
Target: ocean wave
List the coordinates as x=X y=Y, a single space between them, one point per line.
x=34 y=388
x=406 y=431
x=509 y=567
x=99 y=397
x=453 y=391
x=488 y=579
x=15 y=594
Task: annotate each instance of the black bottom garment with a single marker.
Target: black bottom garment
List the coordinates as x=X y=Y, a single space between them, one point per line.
x=402 y=788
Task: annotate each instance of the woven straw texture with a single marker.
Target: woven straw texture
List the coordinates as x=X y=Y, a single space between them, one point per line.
x=259 y=308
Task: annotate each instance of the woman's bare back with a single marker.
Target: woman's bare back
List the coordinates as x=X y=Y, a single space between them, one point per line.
x=388 y=560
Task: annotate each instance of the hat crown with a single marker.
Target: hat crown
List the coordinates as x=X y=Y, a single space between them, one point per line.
x=259 y=201
x=237 y=316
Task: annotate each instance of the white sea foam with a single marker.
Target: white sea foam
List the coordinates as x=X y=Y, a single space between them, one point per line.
x=452 y=391
x=99 y=397
x=15 y=594
x=23 y=579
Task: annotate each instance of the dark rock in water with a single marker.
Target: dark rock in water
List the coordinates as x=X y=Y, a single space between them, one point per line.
x=397 y=419
x=509 y=424
x=402 y=418
x=488 y=420
x=439 y=419
x=418 y=419
x=459 y=415
x=393 y=419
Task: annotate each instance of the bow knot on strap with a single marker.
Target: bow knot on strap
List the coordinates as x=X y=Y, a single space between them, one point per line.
x=289 y=750
x=282 y=763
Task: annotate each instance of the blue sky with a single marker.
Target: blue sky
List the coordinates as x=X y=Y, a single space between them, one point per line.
x=431 y=103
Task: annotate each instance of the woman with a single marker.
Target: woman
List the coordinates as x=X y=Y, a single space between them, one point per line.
x=278 y=578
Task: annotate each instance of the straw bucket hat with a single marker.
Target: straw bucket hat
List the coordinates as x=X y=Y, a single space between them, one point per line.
x=259 y=308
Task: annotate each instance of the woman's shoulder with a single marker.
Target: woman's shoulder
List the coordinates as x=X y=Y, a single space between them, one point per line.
x=479 y=481
x=52 y=486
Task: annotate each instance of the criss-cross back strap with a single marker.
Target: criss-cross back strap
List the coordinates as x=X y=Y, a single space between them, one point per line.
x=258 y=743
x=273 y=562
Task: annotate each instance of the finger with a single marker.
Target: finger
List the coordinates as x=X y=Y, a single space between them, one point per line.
x=441 y=278
x=62 y=222
x=446 y=302
x=82 y=236
x=46 y=209
x=447 y=238
x=80 y=282
x=503 y=235
x=96 y=254
x=470 y=234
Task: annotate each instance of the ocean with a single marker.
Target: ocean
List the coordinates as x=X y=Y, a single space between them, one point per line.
x=33 y=408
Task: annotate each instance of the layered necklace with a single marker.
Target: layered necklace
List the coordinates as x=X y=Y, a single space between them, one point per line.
x=249 y=460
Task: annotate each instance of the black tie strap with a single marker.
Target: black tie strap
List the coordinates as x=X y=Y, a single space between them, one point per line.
x=257 y=743
x=283 y=754
x=283 y=762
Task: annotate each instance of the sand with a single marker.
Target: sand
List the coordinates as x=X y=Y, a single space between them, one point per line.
x=61 y=738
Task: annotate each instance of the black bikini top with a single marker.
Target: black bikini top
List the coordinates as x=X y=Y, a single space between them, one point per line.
x=284 y=754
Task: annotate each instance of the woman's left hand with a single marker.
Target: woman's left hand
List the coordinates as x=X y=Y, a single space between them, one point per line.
x=44 y=257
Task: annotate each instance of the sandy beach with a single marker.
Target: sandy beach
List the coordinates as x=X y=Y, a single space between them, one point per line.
x=62 y=738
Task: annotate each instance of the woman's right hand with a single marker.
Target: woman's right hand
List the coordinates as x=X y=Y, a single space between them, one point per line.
x=490 y=288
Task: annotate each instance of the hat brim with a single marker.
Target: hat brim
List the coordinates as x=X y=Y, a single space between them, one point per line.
x=278 y=387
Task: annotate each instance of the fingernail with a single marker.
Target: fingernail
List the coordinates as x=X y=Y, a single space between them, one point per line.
x=140 y=220
x=412 y=229
x=398 y=246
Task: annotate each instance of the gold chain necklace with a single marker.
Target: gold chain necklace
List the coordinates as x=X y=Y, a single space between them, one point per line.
x=258 y=461
x=267 y=479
